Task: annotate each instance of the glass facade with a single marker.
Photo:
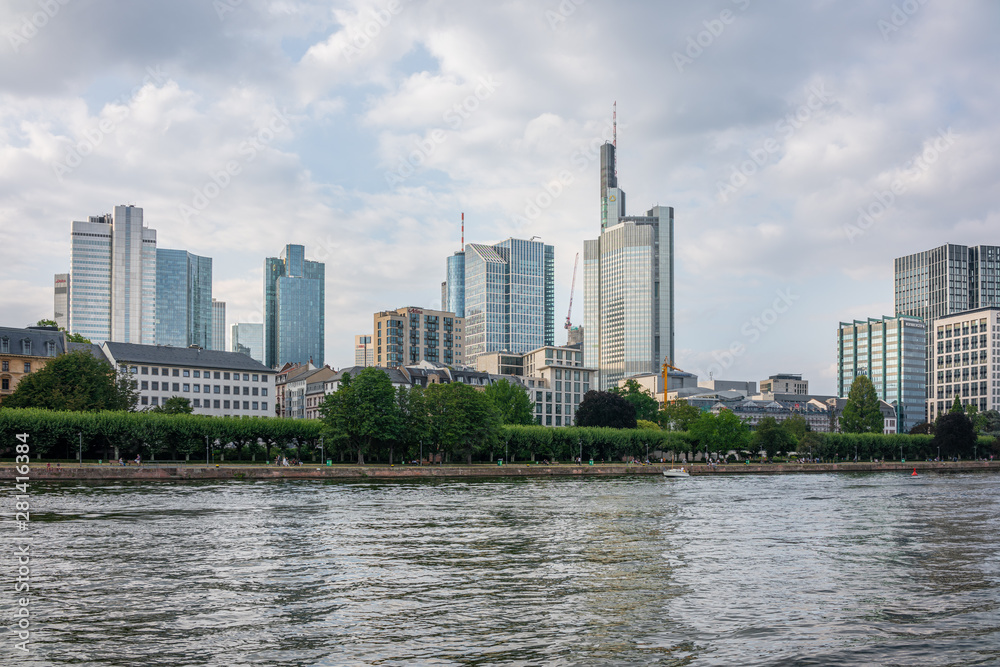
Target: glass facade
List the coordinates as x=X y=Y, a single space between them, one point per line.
x=218 y=341
x=454 y=291
x=294 y=308
x=890 y=352
x=628 y=286
x=509 y=294
x=60 y=306
x=183 y=299
x=248 y=338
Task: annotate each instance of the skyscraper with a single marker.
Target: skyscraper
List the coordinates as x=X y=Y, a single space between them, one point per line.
x=890 y=351
x=294 y=308
x=218 y=341
x=113 y=264
x=183 y=299
x=628 y=285
x=453 y=295
x=364 y=351
x=943 y=281
x=248 y=338
x=60 y=309
x=509 y=297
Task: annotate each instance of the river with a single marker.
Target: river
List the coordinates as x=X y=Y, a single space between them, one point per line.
x=846 y=569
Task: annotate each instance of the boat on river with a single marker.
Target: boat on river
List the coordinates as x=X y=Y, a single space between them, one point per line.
x=676 y=472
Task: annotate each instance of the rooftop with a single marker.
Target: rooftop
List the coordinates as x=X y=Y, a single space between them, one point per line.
x=167 y=355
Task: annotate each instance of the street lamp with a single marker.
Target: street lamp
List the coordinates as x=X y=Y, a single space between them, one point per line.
x=81 y=447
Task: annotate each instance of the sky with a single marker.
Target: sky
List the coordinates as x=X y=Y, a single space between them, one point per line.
x=803 y=145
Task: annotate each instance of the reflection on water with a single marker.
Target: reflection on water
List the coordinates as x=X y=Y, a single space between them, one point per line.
x=776 y=570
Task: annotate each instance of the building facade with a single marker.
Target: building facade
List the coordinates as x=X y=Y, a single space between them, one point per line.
x=25 y=351
x=966 y=361
x=628 y=285
x=943 y=281
x=411 y=335
x=294 y=308
x=113 y=265
x=890 y=352
x=218 y=326
x=183 y=299
x=509 y=297
x=216 y=383
x=453 y=292
x=784 y=383
x=60 y=305
x=248 y=338
x=364 y=351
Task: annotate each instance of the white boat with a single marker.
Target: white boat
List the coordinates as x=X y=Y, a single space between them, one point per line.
x=676 y=472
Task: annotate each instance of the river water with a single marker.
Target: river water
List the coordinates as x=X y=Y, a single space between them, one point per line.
x=862 y=569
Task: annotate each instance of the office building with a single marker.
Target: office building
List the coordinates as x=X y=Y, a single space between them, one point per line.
x=25 y=351
x=218 y=326
x=248 y=339
x=966 y=361
x=943 y=281
x=411 y=335
x=453 y=289
x=294 y=308
x=113 y=266
x=890 y=352
x=60 y=306
x=509 y=297
x=364 y=351
x=183 y=299
x=216 y=383
x=784 y=383
x=628 y=285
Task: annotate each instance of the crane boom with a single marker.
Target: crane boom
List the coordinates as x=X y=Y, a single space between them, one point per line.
x=572 y=288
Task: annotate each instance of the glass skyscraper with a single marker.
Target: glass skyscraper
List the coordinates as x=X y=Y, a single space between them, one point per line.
x=218 y=326
x=628 y=286
x=453 y=294
x=113 y=265
x=294 y=308
x=890 y=351
x=183 y=299
x=509 y=297
x=248 y=338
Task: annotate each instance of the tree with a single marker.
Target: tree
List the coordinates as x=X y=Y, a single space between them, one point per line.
x=678 y=415
x=602 y=408
x=954 y=434
x=75 y=381
x=772 y=437
x=722 y=432
x=175 y=405
x=76 y=338
x=644 y=425
x=512 y=401
x=646 y=407
x=414 y=421
x=462 y=419
x=923 y=428
x=70 y=337
x=863 y=411
x=991 y=419
x=796 y=425
x=363 y=411
x=956 y=406
x=47 y=323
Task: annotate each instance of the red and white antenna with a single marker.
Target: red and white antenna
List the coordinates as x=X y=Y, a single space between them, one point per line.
x=614 y=133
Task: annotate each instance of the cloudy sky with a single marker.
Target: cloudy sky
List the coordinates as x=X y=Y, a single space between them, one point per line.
x=803 y=144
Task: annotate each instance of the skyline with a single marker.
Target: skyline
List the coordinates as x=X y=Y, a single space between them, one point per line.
x=803 y=148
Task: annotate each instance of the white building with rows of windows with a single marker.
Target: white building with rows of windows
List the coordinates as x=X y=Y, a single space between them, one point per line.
x=965 y=361
x=216 y=383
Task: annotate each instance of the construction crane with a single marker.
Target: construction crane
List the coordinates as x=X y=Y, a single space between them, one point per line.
x=667 y=367
x=572 y=287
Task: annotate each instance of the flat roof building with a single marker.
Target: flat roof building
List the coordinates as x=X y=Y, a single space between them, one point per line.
x=407 y=336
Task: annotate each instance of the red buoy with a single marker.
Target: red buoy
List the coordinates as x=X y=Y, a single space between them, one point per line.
x=914 y=473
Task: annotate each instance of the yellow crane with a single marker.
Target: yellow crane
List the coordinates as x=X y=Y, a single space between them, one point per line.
x=667 y=367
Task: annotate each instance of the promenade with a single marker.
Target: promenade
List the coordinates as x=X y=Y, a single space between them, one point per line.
x=192 y=471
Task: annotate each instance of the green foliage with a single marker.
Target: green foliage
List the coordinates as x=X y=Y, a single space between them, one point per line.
x=463 y=420
x=47 y=323
x=772 y=437
x=605 y=409
x=862 y=413
x=363 y=411
x=720 y=433
x=954 y=434
x=76 y=338
x=923 y=428
x=646 y=407
x=796 y=425
x=75 y=381
x=678 y=415
x=956 y=406
x=647 y=425
x=175 y=405
x=512 y=401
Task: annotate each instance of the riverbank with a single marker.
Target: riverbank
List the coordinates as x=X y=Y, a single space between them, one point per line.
x=172 y=471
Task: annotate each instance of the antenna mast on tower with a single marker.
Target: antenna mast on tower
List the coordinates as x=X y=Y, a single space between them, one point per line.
x=463 y=230
x=614 y=133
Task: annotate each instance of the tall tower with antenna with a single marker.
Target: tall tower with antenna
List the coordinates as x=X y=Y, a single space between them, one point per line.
x=453 y=288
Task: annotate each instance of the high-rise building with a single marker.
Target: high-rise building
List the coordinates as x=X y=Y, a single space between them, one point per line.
x=218 y=341
x=943 y=281
x=113 y=265
x=248 y=338
x=411 y=335
x=294 y=308
x=628 y=285
x=965 y=361
x=60 y=304
x=184 y=299
x=364 y=351
x=509 y=297
x=890 y=351
x=453 y=291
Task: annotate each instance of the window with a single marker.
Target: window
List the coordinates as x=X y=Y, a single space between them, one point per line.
x=225 y=376
x=255 y=391
x=215 y=404
x=217 y=389
x=27 y=367
x=144 y=385
x=25 y=346
x=246 y=391
x=144 y=370
x=225 y=390
x=263 y=391
x=155 y=400
x=144 y=400
x=246 y=405
x=6 y=366
x=187 y=373
x=256 y=405
x=263 y=405
x=225 y=405
x=187 y=387
x=197 y=374
x=217 y=375
x=177 y=372
x=197 y=389
x=156 y=371
x=254 y=377
x=156 y=386
x=246 y=377
x=177 y=387
x=207 y=388
x=197 y=401
x=166 y=371
x=5 y=345
x=236 y=390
